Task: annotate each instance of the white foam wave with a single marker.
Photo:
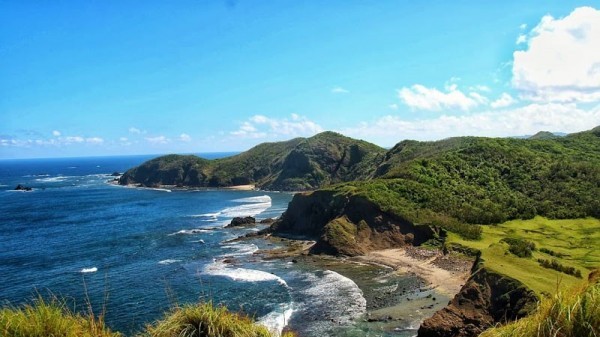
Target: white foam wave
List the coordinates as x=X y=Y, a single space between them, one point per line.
x=276 y=320
x=189 y=231
x=168 y=261
x=258 y=199
x=341 y=295
x=241 y=249
x=53 y=179
x=251 y=209
x=218 y=268
x=89 y=270
x=206 y=215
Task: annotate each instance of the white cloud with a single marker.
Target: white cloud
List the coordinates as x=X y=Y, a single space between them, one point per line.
x=423 y=98
x=480 y=87
x=523 y=26
x=529 y=119
x=74 y=139
x=503 y=101
x=339 y=90
x=157 y=140
x=123 y=139
x=393 y=106
x=184 y=137
x=94 y=140
x=135 y=131
x=522 y=38
x=260 y=126
x=56 y=133
x=562 y=59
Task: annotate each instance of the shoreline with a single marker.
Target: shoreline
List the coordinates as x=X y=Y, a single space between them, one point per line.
x=250 y=187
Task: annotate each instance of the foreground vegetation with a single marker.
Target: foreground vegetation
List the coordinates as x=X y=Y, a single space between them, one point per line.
x=569 y=313
x=53 y=318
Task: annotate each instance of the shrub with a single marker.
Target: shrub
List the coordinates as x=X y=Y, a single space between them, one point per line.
x=204 y=320
x=559 y=267
x=520 y=247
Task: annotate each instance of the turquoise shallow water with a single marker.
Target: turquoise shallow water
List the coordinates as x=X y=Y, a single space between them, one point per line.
x=137 y=252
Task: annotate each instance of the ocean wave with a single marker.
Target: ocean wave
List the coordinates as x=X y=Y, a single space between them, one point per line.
x=339 y=295
x=206 y=215
x=276 y=320
x=241 y=249
x=219 y=268
x=168 y=261
x=258 y=199
x=56 y=179
x=89 y=270
x=190 y=231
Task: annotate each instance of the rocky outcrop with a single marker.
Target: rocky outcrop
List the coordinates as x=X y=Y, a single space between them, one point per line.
x=23 y=188
x=487 y=298
x=346 y=225
x=242 y=221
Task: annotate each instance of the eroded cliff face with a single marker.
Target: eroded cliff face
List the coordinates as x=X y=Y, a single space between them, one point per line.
x=486 y=299
x=346 y=225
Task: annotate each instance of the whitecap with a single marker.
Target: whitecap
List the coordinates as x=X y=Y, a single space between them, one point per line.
x=241 y=249
x=206 y=215
x=52 y=179
x=219 y=268
x=258 y=199
x=89 y=270
x=276 y=320
x=189 y=231
x=168 y=261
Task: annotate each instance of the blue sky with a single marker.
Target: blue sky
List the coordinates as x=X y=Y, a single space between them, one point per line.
x=81 y=78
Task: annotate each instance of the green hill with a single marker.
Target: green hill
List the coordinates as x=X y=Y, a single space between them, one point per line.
x=297 y=164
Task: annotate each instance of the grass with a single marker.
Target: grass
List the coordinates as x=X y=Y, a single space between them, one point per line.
x=573 y=242
x=571 y=313
x=50 y=318
x=53 y=319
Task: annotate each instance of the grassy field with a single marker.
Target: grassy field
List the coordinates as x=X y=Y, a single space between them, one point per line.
x=574 y=243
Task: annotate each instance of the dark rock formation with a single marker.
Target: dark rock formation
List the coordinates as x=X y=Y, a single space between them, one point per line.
x=23 y=188
x=115 y=174
x=346 y=225
x=242 y=221
x=486 y=299
x=267 y=221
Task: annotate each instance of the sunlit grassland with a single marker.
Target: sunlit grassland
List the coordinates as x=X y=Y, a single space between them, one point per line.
x=577 y=242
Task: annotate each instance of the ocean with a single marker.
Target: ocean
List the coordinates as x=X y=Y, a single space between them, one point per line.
x=134 y=253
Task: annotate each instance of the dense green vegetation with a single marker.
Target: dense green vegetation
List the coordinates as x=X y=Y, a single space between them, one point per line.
x=520 y=247
x=297 y=164
x=571 y=313
x=54 y=319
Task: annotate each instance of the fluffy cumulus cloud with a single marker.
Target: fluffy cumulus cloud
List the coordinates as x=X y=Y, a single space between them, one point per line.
x=420 y=97
x=503 y=101
x=56 y=133
x=524 y=120
x=561 y=61
x=260 y=126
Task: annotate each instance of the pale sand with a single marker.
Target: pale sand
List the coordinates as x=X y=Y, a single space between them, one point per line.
x=448 y=282
x=240 y=188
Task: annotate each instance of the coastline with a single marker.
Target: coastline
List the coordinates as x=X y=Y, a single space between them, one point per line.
x=250 y=187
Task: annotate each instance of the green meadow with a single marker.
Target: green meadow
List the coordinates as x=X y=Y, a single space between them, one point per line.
x=572 y=243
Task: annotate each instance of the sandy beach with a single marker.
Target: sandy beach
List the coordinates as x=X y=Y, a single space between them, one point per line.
x=445 y=276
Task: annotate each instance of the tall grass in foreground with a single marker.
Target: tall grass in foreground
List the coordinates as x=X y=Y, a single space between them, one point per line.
x=54 y=319
x=572 y=313
x=50 y=318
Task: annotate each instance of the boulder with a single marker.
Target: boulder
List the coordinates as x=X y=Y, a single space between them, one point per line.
x=242 y=221
x=22 y=188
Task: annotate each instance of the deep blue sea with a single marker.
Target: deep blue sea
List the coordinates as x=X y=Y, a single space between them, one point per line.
x=138 y=252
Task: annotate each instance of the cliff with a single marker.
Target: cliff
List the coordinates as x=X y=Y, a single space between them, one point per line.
x=346 y=224
x=488 y=298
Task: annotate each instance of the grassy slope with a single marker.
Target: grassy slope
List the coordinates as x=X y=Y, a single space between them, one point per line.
x=570 y=313
x=577 y=239
x=53 y=318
